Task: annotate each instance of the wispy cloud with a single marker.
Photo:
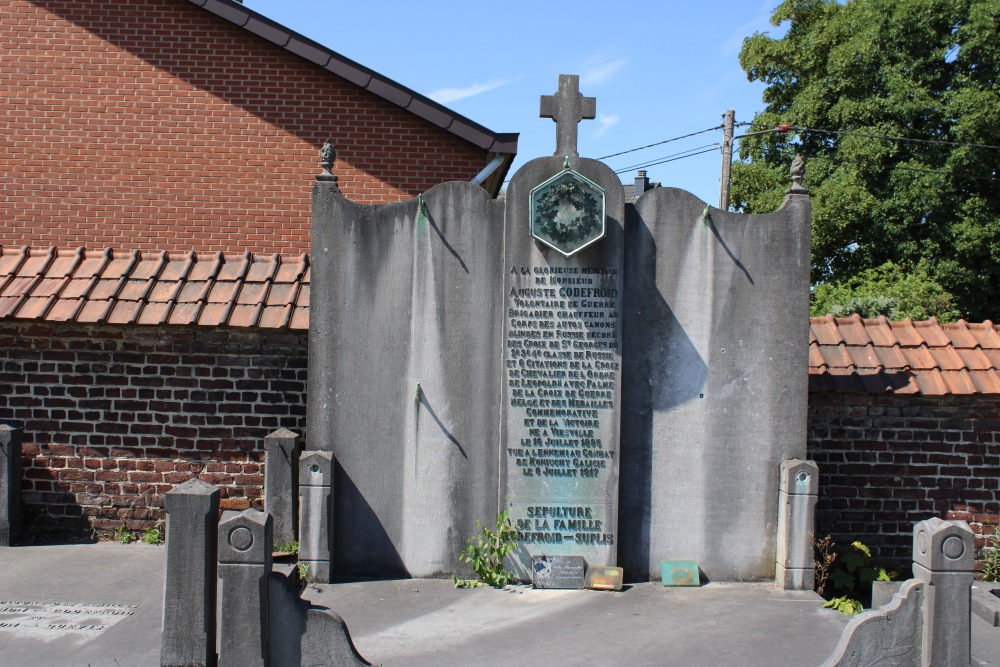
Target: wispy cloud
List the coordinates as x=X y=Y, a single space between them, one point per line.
x=760 y=23
x=606 y=121
x=445 y=95
x=603 y=72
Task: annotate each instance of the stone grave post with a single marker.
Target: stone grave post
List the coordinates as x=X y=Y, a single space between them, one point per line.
x=245 y=541
x=316 y=513
x=796 y=521
x=281 y=467
x=562 y=348
x=189 y=596
x=10 y=484
x=943 y=556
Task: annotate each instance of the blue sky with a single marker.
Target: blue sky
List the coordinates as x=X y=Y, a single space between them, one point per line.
x=658 y=70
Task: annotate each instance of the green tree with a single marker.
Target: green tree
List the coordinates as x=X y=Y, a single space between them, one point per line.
x=887 y=290
x=846 y=74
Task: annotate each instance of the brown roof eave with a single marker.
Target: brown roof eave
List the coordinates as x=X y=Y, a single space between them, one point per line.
x=370 y=80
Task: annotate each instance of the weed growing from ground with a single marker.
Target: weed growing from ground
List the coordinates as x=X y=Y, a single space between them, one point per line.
x=486 y=552
x=153 y=535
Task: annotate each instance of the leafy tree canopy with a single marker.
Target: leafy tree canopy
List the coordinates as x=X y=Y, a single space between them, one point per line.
x=925 y=70
x=887 y=290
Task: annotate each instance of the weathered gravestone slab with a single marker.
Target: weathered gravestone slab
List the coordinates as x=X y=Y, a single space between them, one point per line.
x=404 y=374
x=558 y=571
x=562 y=350
x=715 y=384
x=50 y=620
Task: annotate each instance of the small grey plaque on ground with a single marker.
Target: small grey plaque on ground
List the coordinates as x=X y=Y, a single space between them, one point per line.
x=49 y=620
x=558 y=571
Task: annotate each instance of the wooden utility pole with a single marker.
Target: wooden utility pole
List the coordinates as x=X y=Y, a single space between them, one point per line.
x=727 y=157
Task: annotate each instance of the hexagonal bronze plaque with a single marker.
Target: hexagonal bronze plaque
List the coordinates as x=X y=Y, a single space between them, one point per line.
x=567 y=212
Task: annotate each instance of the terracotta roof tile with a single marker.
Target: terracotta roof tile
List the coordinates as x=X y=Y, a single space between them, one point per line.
x=64 y=310
x=986 y=334
x=154 y=288
x=816 y=358
x=988 y=382
x=906 y=333
x=931 y=383
x=836 y=356
x=909 y=357
x=959 y=382
x=959 y=334
x=825 y=330
x=891 y=357
x=947 y=358
x=863 y=356
x=974 y=360
x=880 y=332
x=852 y=329
x=932 y=333
x=272 y=292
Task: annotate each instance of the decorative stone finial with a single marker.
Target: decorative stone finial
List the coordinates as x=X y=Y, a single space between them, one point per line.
x=327 y=155
x=567 y=108
x=798 y=171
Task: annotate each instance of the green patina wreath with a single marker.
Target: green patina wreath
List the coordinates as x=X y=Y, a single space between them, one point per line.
x=554 y=219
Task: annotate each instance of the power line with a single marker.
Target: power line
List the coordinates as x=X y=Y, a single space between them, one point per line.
x=645 y=163
x=678 y=156
x=660 y=143
x=850 y=133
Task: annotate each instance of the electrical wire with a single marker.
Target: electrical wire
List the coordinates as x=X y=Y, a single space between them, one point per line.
x=644 y=163
x=850 y=133
x=675 y=157
x=660 y=143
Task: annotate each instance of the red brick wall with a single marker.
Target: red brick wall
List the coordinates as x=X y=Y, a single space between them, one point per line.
x=114 y=417
x=887 y=462
x=153 y=124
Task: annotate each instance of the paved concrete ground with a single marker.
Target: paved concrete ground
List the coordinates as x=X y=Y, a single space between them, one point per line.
x=101 y=604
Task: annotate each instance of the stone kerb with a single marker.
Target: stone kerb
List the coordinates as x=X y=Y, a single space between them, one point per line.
x=316 y=515
x=799 y=486
x=943 y=556
x=189 y=597
x=10 y=484
x=245 y=543
x=281 y=467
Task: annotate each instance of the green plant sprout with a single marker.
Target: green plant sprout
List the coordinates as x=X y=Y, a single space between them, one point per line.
x=153 y=535
x=286 y=547
x=848 y=573
x=123 y=535
x=303 y=570
x=991 y=558
x=486 y=552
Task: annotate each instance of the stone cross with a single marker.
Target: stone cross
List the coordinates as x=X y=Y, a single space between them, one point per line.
x=567 y=108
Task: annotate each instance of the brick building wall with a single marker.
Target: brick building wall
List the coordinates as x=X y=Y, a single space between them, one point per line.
x=887 y=462
x=156 y=125
x=114 y=417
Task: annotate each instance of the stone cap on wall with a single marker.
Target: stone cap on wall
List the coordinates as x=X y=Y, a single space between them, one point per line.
x=271 y=291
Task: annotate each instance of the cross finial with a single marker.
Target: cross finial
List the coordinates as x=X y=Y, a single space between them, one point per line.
x=567 y=108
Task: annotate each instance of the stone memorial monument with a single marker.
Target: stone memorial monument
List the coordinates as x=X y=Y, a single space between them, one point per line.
x=628 y=377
